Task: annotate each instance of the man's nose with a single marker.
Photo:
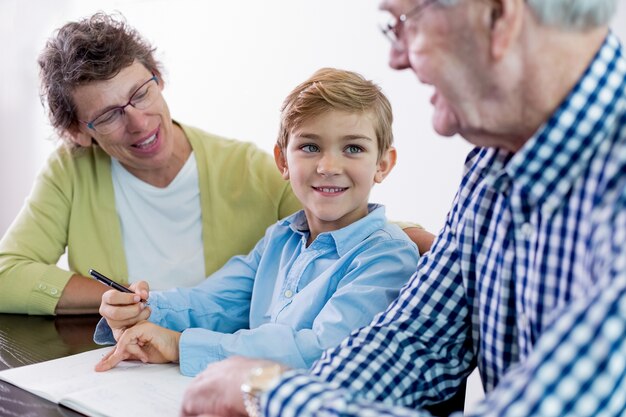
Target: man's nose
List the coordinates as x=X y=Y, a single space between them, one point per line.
x=398 y=57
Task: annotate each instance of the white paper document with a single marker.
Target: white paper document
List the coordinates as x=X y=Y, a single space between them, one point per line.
x=130 y=389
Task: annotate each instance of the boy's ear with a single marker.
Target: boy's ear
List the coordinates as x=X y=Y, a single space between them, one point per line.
x=281 y=162
x=385 y=164
x=79 y=137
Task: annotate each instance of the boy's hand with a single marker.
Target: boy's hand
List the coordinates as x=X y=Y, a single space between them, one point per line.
x=122 y=310
x=146 y=342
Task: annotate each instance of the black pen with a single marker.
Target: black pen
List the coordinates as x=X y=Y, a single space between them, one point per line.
x=110 y=283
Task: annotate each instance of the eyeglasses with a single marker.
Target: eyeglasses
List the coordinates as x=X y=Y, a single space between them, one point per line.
x=113 y=119
x=393 y=29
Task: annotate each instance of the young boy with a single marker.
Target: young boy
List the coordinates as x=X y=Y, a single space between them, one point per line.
x=315 y=276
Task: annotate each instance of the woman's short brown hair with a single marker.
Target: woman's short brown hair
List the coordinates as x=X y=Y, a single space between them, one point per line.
x=92 y=49
x=334 y=89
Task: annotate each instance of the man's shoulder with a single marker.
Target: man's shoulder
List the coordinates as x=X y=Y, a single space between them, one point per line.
x=480 y=164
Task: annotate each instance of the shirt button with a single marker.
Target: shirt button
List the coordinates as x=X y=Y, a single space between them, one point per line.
x=53 y=291
x=288 y=294
x=527 y=230
x=42 y=287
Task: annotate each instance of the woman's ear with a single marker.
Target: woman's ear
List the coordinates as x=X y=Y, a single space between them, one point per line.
x=161 y=82
x=506 y=17
x=79 y=137
x=281 y=162
x=385 y=164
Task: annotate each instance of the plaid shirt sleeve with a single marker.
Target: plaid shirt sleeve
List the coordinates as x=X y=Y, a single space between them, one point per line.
x=394 y=362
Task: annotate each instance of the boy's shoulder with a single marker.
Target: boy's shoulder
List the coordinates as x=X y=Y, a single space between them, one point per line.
x=372 y=229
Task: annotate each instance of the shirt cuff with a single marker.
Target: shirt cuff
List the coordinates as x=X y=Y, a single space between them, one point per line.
x=198 y=348
x=46 y=292
x=103 y=334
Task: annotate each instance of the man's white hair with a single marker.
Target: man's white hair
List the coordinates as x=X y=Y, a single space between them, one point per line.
x=574 y=14
x=568 y=14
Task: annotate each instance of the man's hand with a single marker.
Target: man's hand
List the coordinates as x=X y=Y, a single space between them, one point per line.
x=217 y=390
x=122 y=310
x=146 y=342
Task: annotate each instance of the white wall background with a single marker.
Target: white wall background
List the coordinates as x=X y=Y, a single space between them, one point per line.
x=228 y=66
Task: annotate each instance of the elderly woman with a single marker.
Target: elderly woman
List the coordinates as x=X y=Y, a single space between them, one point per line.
x=132 y=193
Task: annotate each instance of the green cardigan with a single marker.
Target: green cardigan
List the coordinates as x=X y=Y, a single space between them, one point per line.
x=72 y=206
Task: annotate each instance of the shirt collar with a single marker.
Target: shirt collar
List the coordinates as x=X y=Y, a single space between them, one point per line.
x=549 y=163
x=346 y=238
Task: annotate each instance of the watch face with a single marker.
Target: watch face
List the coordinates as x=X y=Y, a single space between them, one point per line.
x=262 y=377
x=259 y=380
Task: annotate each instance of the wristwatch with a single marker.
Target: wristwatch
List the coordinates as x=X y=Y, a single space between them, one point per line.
x=259 y=380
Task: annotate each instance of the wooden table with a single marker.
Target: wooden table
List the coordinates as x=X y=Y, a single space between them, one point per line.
x=30 y=339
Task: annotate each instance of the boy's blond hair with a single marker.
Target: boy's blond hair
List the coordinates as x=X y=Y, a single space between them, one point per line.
x=334 y=89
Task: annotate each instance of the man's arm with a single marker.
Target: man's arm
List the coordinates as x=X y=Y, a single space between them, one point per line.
x=578 y=368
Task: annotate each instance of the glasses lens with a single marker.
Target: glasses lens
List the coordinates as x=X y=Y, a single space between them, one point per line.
x=388 y=26
x=141 y=99
x=109 y=121
x=145 y=95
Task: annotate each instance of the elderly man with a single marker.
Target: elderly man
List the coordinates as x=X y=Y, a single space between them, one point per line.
x=527 y=280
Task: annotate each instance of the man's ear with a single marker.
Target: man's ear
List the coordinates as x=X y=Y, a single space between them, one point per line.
x=385 y=165
x=507 y=17
x=79 y=137
x=281 y=162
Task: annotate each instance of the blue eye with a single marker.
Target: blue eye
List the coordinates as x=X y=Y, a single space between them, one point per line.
x=310 y=148
x=353 y=149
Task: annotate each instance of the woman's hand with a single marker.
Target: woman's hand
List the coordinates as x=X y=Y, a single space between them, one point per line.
x=146 y=342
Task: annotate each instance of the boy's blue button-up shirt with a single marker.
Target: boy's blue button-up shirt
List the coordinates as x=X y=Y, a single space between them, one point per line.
x=285 y=301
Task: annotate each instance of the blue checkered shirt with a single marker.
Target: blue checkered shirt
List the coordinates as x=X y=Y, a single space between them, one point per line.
x=527 y=280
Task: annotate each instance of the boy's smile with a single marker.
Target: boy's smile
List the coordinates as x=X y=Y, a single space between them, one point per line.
x=330 y=190
x=332 y=163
